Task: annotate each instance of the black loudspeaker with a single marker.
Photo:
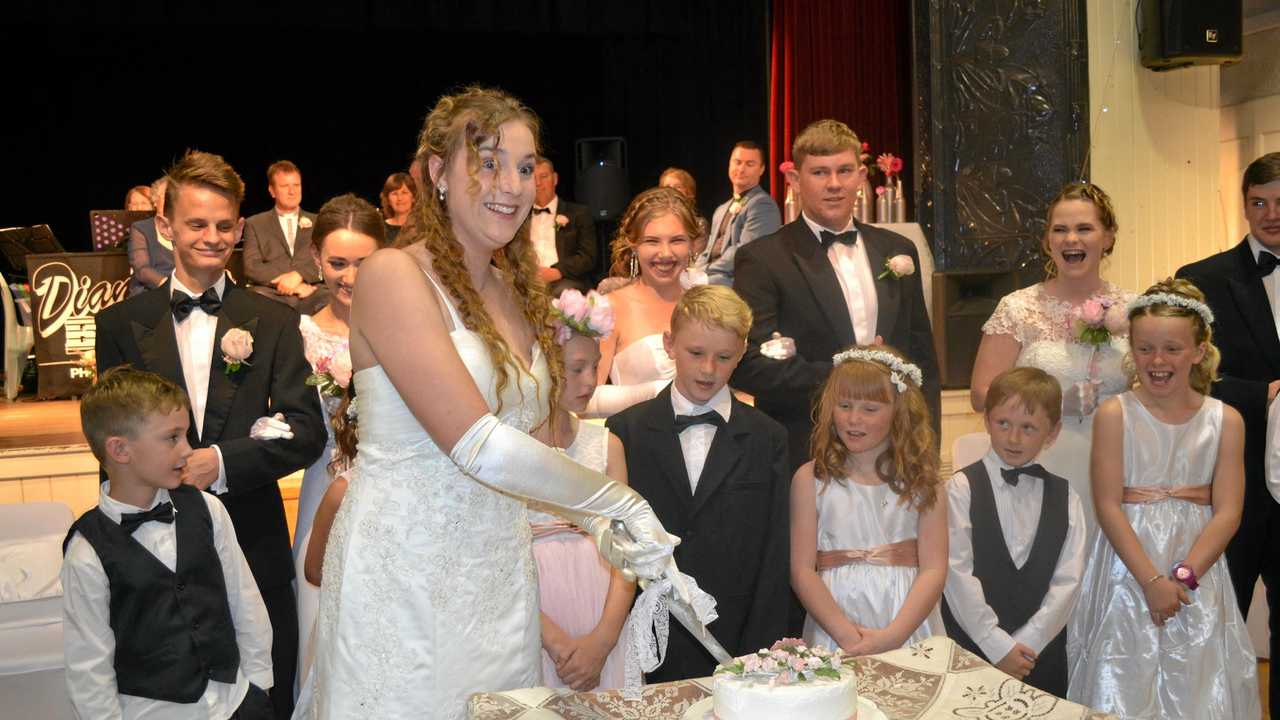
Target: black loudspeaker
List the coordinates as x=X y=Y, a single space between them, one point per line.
x=963 y=300
x=602 y=176
x=1179 y=33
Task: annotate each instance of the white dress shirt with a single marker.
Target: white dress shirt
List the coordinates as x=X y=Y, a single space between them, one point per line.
x=857 y=282
x=1018 y=508
x=1269 y=282
x=90 y=643
x=289 y=226
x=695 y=441
x=195 y=337
x=542 y=232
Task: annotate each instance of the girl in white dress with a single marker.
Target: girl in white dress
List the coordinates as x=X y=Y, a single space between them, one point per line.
x=584 y=601
x=653 y=248
x=347 y=230
x=1158 y=633
x=868 y=523
x=1036 y=327
x=429 y=590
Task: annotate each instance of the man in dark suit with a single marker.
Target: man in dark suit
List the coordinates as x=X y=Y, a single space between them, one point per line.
x=277 y=245
x=715 y=471
x=563 y=234
x=180 y=330
x=749 y=215
x=1243 y=291
x=822 y=282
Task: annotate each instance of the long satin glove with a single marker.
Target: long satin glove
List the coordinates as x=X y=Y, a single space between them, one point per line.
x=610 y=399
x=508 y=460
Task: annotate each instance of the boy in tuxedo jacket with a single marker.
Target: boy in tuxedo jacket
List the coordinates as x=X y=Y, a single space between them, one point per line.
x=1017 y=536
x=161 y=614
x=715 y=471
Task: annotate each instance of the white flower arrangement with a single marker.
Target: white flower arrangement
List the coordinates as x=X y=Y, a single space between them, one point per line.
x=898 y=368
x=788 y=661
x=1163 y=298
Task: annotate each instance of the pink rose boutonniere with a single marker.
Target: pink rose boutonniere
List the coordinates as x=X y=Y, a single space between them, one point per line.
x=237 y=346
x=1092 y=322
x=898 y=266
x=304 y=222
x=561 y=221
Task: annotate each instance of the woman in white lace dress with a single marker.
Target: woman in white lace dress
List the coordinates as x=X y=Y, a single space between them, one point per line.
x=1037 y=327
x=347 y=230
x=653 y=247
x=430 y=588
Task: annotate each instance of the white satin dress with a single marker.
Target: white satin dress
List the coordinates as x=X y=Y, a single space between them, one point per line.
x=1200 y=665
x=430 y=589
x=639 y=372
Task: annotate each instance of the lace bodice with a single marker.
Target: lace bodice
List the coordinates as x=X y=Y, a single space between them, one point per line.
x=1042 y=325
x=641 y=361
x=319 y=345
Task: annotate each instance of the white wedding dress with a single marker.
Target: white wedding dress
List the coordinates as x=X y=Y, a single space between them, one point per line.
x=430 y=590
x=1041 y=323
x=639 y=372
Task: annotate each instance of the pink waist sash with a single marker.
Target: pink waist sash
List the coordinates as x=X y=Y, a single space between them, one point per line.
x=554 y=527
x=899 y=554
x=1145 y=494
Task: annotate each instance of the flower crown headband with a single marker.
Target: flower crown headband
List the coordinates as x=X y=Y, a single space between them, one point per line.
x=898 y=368
x=1164 y=298
x=588 y=315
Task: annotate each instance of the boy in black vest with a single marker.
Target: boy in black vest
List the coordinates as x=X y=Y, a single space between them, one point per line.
x=715 y=471
x=1017 y=537
x=161 y=615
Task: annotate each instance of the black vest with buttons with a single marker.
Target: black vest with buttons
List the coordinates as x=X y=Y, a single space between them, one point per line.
x=1016 y=593
x=173 y=630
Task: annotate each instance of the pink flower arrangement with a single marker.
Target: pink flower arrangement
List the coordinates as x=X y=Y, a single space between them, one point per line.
x=332 y=374
x=786 y=167
x=1094 y=321
x=588 y=315
x=889 y=164
x=787 y=661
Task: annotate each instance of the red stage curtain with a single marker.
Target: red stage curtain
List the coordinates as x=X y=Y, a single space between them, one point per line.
x=843 y=59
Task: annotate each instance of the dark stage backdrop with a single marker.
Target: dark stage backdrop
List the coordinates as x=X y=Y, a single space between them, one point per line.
x=104 y=96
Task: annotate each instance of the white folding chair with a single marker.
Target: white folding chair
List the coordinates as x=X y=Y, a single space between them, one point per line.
x=18 y=341
x=968 y=449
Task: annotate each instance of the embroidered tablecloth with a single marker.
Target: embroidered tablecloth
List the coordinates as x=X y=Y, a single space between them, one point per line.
x=932 y=679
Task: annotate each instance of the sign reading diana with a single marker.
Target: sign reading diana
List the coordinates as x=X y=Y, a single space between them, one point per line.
x=68 y=290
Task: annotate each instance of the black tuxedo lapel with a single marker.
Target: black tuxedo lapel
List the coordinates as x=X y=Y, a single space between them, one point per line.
x=888 y=289
x=1255 y=307
x=660 y=423
x=154 y=335
x=236 y=312
x=814 y=266
x=562 y=234
x=727 y=450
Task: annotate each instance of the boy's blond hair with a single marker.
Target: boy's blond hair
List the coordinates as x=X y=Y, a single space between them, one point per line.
x=824 y=137
x=121 y=401
x=1036 y=389
x=713 y=306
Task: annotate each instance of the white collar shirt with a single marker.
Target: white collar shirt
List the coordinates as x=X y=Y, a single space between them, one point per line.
x=1018 y=509
x=857 y=283
x=695 y=441
x=289 y=227
x=90 y=643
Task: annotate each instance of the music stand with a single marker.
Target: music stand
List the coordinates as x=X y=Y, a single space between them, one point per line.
x=16 y=243
x=110 y=228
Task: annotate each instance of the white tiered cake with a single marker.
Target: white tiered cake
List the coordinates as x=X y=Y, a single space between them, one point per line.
x=788 y=680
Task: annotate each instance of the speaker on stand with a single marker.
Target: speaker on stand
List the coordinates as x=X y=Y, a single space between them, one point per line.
x=603 y=187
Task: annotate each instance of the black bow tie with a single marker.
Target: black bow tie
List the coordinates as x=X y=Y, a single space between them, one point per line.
x=182 y=304
x=848 y=238
x=710 y=417
x=1266 y=263
x=1010 y=475
x=546 y=210
x=160 y=513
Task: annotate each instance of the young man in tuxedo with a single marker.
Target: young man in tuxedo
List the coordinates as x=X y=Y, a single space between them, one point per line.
x=750 y=214
x=563 y=235
x=1244 y=292
x=179 y=331
x=715 y=471
x=277 y=245
x=822 y=281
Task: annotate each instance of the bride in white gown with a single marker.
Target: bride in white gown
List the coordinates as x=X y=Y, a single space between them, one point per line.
x=430 y=592
x=653 y=246
x=1034 y=327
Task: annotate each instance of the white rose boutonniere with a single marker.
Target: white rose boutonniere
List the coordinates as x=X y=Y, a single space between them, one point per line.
x=899 y=266
x=237 y=346
x=561 y=221
x=304 y=222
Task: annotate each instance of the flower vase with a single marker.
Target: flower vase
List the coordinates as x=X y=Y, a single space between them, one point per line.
x=900 y=204
x=884 y=204
x=790 y=208
x=862 y=206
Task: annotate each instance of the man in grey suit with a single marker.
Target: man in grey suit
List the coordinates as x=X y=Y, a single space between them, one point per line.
x=278 y=261
x=751 y=213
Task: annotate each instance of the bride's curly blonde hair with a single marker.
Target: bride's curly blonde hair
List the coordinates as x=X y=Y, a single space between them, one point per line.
x=462 y=123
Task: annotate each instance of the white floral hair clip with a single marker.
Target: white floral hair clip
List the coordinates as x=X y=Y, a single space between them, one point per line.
x=1164 y=298
x=898 y=368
